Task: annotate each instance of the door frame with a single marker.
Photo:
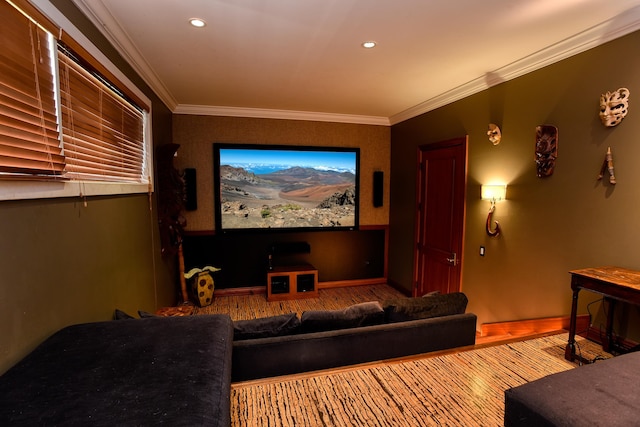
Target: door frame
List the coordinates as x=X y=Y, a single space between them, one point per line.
x=462 y=141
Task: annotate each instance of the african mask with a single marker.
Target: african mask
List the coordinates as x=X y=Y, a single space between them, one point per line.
x=614 y=106
x=546 y=150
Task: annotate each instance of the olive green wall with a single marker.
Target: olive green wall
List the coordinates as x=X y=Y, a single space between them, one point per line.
x=63 y=263
x=550 y=226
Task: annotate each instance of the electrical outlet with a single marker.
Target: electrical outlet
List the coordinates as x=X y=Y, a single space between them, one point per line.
x=482 y=250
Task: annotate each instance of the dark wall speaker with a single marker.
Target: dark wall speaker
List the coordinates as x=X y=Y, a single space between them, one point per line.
x=378 y=188
x=191 y=194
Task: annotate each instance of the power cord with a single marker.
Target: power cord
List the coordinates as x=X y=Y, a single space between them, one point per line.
x=582 y=360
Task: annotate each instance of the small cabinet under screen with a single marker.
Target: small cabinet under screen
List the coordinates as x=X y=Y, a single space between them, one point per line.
x=290 y=282
x=279 y=284
x=306 y=282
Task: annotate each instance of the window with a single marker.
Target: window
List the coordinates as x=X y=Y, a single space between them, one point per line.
x=103 y=134
x=29 y=138
x=61 y=120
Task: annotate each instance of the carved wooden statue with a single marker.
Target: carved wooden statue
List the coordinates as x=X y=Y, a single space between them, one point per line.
x=171 y=194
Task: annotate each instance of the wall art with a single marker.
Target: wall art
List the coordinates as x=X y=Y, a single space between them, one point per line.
x=614 y=106
x=494 y=134
x=546 y=150
x=607 y=165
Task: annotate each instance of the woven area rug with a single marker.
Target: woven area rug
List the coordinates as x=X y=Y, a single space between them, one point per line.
x=244 y=307
x=460 y=389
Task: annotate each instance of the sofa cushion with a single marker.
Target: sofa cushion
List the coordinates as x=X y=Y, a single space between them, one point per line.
x=265 y=327
x=121 y=315
x=363 y=314
x=145 y=314
x=434 y=305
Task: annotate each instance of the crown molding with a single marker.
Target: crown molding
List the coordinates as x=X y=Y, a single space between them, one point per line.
x=599 y=34
x=104 y=21
x=264 y=113
x=588 y=39
x=51 y=12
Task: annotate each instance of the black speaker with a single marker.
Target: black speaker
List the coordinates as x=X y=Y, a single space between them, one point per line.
x=378 y=188
x=190 y=193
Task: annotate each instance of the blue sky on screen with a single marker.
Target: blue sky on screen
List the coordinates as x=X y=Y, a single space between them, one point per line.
x=260 y=161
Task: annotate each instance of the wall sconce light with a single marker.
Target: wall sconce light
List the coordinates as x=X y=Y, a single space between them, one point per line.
x=494 y=193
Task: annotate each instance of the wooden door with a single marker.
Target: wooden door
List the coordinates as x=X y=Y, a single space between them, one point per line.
x=441 y=188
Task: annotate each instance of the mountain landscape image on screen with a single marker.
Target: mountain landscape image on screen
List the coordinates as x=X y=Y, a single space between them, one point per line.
x=286 y=196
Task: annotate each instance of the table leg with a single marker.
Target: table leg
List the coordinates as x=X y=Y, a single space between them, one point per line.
x=570 y=350
x=607 y=343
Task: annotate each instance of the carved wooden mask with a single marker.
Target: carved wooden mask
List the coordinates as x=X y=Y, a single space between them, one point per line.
x=614 y=106
x=546 y=150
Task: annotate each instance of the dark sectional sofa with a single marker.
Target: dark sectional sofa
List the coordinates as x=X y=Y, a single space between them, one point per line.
x=268 y=357
x=159 y=371
x=605 y=394
x=358 y=334
x=178 y=371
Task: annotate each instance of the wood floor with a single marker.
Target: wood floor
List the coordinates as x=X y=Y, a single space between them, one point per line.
x=462 y=386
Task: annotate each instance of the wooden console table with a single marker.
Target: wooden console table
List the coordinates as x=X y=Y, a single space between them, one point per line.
x=615 y=284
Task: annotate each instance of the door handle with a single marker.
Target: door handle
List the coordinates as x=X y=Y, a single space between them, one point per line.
x=453 y=260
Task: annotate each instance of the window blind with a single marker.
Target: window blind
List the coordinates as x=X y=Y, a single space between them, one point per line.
x=63 y=114
x=29 y=137
x=103 y=134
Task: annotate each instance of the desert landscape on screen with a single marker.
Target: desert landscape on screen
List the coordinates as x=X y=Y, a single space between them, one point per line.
x=287 y=198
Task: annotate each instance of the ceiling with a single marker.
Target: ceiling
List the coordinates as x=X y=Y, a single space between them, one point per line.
x=303 y=59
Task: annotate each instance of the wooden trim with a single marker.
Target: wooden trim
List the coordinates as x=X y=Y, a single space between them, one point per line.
x=533 y=326
x=84 y=54
x=34 y=13
x=354 y=282
x=199 y=233
x=234 y=292
x=374 y=227
x=597 y=334
x=254 y=290
x=384 y=227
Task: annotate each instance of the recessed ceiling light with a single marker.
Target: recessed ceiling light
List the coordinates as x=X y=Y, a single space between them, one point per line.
x=197 y=22
x=369 y=45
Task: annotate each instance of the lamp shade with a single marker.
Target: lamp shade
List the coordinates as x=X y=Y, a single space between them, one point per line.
x=494 y=192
